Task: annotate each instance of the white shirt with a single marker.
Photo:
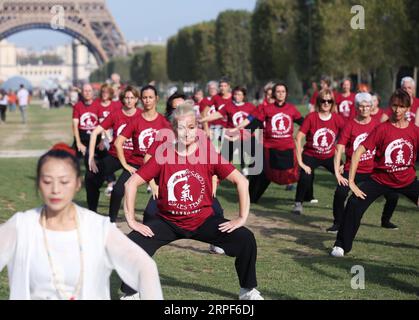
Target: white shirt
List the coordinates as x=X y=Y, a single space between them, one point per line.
x=105 y=248
x=4 y=101
x=65 y=254
x=23 y=97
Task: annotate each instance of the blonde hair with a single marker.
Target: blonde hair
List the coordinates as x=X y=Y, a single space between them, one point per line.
x=182 y=110
x=321 y=96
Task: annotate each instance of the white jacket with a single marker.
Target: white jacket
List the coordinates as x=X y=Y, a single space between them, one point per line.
x=104 y=247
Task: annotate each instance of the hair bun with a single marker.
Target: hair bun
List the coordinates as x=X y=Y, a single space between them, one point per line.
x=64 y=147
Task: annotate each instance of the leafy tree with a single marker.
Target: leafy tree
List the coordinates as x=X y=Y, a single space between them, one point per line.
x=233 y=45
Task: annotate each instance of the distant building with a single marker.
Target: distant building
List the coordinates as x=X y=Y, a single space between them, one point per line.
x=38 y=73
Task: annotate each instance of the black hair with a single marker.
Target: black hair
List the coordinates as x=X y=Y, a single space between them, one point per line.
x=241 y=89
x=279 y=84
x=148 y=87
x=60 y=155
x=169 y=103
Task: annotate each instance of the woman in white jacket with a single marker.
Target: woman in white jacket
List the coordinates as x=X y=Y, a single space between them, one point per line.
x=62 y=251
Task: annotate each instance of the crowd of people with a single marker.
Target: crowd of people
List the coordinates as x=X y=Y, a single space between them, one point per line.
x=182 y=156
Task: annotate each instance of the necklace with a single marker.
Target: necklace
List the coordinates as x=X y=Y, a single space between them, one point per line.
x=57 y=284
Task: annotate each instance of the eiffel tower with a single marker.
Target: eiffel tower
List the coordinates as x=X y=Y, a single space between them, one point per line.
x=89 y=21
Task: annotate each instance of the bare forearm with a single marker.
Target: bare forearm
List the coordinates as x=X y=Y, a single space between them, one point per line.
x=244 y=199
x=355 y=162
x=212 y=117
x=120 y=150
x=338 y=158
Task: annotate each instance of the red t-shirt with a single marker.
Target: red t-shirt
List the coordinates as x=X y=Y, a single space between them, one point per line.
x=411 y=114
x=378 y=115
x=219 y=103
x=117 y=121
x=206 y=102
x=321 y=135
x=185 y=188
x=103 y=111
x=236 y=114
x=352 y=136
x=394 y=163
x=279 y=125
x=143 y=133
x=346 y=106
x=87 y=116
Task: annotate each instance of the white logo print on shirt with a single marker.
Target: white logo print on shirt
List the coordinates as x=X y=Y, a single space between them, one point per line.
x=324 y=140
x=399 y=155
x=281 y=125
x=88 y=121
x=239 y=117
x=188 y=195
x=143 y=144
x=128 y=143
x=367 y=155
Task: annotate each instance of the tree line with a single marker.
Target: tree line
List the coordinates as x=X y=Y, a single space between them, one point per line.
x=296 y=41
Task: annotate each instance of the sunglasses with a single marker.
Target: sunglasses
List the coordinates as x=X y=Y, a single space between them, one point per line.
x=323 y=101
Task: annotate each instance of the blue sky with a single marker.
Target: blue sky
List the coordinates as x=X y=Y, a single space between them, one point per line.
x=141 y=19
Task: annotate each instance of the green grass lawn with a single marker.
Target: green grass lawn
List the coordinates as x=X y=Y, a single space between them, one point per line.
x=293 y=261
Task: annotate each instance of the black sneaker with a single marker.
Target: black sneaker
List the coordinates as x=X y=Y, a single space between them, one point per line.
x=389 y=225
x=333 y=229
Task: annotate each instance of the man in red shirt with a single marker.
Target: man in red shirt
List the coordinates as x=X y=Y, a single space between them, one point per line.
x=206 y=104
x=236 y=112
x=346 y=101
x=185 y=199
x=220 y=100
x=396 y=144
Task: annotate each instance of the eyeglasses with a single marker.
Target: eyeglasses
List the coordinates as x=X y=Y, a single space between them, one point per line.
x=367 y=106
x=323 y=101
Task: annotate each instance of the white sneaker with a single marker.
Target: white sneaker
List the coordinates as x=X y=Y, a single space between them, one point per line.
x=108 y=191
x=314 y=201
x=132 y=297
x=216 y=250
x=337 y=252
x=246 y=294
x=245 y=172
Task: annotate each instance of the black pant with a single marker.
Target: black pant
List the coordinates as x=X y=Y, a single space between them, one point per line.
x=151 y=210
x=307 y=180
x=356 y=208
x=3 y=109
x=341 y=194
x=240 y=244
x=229 y=147
x=94 y=181
x=259 y=183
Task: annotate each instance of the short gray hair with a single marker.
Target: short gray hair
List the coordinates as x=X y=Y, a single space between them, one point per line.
x=408 y=79
x=361 y=97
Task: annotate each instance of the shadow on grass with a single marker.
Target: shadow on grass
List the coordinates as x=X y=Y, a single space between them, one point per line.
x=175 y=283
x=383 y=274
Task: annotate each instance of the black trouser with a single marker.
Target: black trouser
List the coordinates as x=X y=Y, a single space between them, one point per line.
x=94 y=182
x=3 y=109
x=356 y=208
x=240 y=244
x=341 y=194
x=307 y=180
x=229 y=147
x=259 y=183
x=151 y=210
